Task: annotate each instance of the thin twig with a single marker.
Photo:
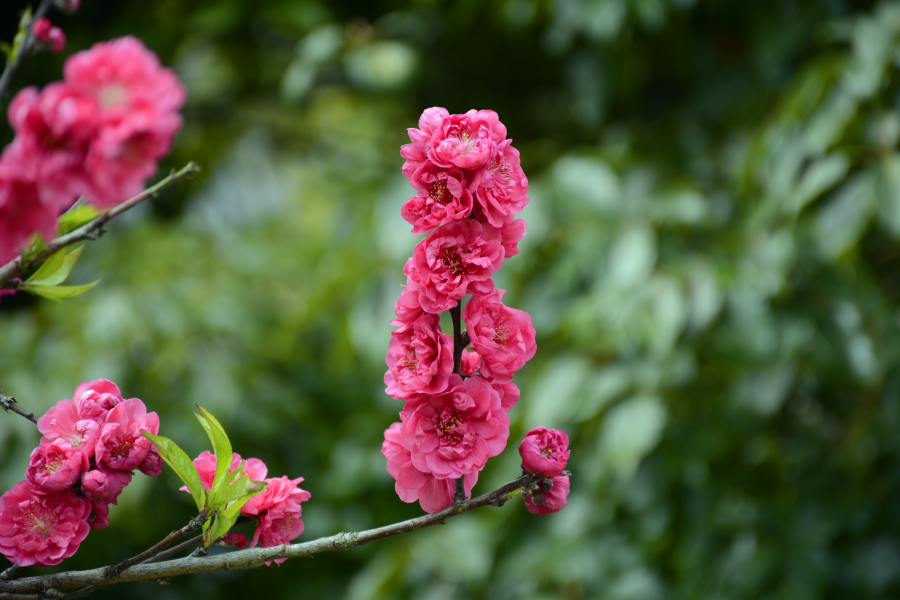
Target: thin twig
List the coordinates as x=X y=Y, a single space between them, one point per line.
x=457 y=336
x=167 y=553
x=11 y=65
x=93 y=229
x=252 y=557
x=8 y=403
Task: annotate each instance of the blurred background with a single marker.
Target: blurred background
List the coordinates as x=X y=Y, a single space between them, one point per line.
x=712 y=265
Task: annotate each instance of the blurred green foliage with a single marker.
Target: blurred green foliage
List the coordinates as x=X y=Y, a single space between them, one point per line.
x=711 y=264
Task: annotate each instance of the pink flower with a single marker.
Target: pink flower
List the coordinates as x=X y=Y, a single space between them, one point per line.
x=116 y=482
x=94 y=399
x=21 y=215
x=54 y=37
x=502 y=186
x=468 y=364
x=407 y=307
x=152 y=464
x=95 y=485
x=467 y=141
x=454 y=433
x=454 y=260
x=121 y=445
x=544 y=451
x=56 y=466
x=63 y=424
x=511 y=233
x=137 y=102
x=233 y=539
x=443 y=197
x=416 y=153
x=205 y=464
x=550 y=501
x=53 y=131
x=503 y=336
x=412 y=484
x=278 y=510
x=509 y=394
x=419 y=359
x=37 y=528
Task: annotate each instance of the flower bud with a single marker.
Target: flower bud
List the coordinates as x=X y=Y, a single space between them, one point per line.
x=95 y=485
x=56 y=39
x=554 y=500
x=232 y=539
x=41 y=29
x=544 y=451
x=152 y=465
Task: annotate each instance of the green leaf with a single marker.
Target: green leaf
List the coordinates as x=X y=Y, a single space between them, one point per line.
x=176 y=458
x=50 y=266
x=75 y=218
x=19 y=40
x=222 y=449
x=58 y=292
x=62 y=271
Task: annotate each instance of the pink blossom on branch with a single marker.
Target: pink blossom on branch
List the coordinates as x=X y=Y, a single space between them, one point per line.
x=454 y=260
x=116 y=482
x=503 y=336
x=419 y=359
x=45 y=32
x=454 y=433
x=21 y=215
x=64 y=424
x=407 y=307
x=121 y=445
x=56 y=466
x=414 y=485
x=502 y=186
x=467 y=141
x=554 y=499
x=94 y=399
x=544 y=451
x=205 y=464
x=37 y=528
x=278 y=511
x=443 y=197
x=95 y=485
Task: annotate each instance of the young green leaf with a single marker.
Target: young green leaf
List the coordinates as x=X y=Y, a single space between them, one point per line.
x=57 y=292
x=75 y=218
x=176 y=458
x=50 y=266
x=222 y=450
x=62 y=271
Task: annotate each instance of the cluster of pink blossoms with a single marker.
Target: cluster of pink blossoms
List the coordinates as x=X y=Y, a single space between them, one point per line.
x=277 y=510
x=470 y=186
x=98 y=133
x=90 y=447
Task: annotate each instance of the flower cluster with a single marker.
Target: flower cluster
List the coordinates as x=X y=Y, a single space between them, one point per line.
x=53 y=37
x=469 y=186
x=545 y=453
x=99 y=133
x=277 y=509
x=90 y=447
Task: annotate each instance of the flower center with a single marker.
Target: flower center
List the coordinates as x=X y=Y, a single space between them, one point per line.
x=446 y=424
x=122 y=449
x=547 y=452
x=113 y=94
x=51 y=466
x=450 y=258
x=40 y=523
x=501 y=334
x=409 y=360
x=439 y=192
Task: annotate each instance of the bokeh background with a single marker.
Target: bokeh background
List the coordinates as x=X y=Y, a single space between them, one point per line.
x=712 y=265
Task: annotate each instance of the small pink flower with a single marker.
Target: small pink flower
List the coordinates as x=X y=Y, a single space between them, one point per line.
x=44 y=31
x=95 y=485
x=443 y=197
x=151 y=466
x=56 y=466
x=454 y=433
x=412 y=484
x=121 y=445
x=37 y=528
x=419 y=359
x=468 y=364
x=467 y=141
x=278 y=510
x=551 y=501
x=41 y=29
x=509 y=394
x=205 y=464
x=416 y=153
x=57 y=39
x=544 y=451
x=116 y=482
x=407 y=307
x=511 y=233
x=503 y=336
x=454 y=260
x=137 y=103
x=94 y=399
x=64 y=424
x=502 y=186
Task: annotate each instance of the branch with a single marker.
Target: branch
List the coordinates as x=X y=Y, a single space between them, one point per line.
x=8 y=403
x=254 y=557
x=12 y=65
x=93 y=229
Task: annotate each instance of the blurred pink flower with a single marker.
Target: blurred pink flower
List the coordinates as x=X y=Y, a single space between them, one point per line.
x=419 y=359
x=454 y=433
x=544 y=451
x=56 y=466
x=121 y=445
x=454 y=260
x=37 y=528
x=551 y=501
x=503 y=336
x=21 y=215
x=45 y=32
